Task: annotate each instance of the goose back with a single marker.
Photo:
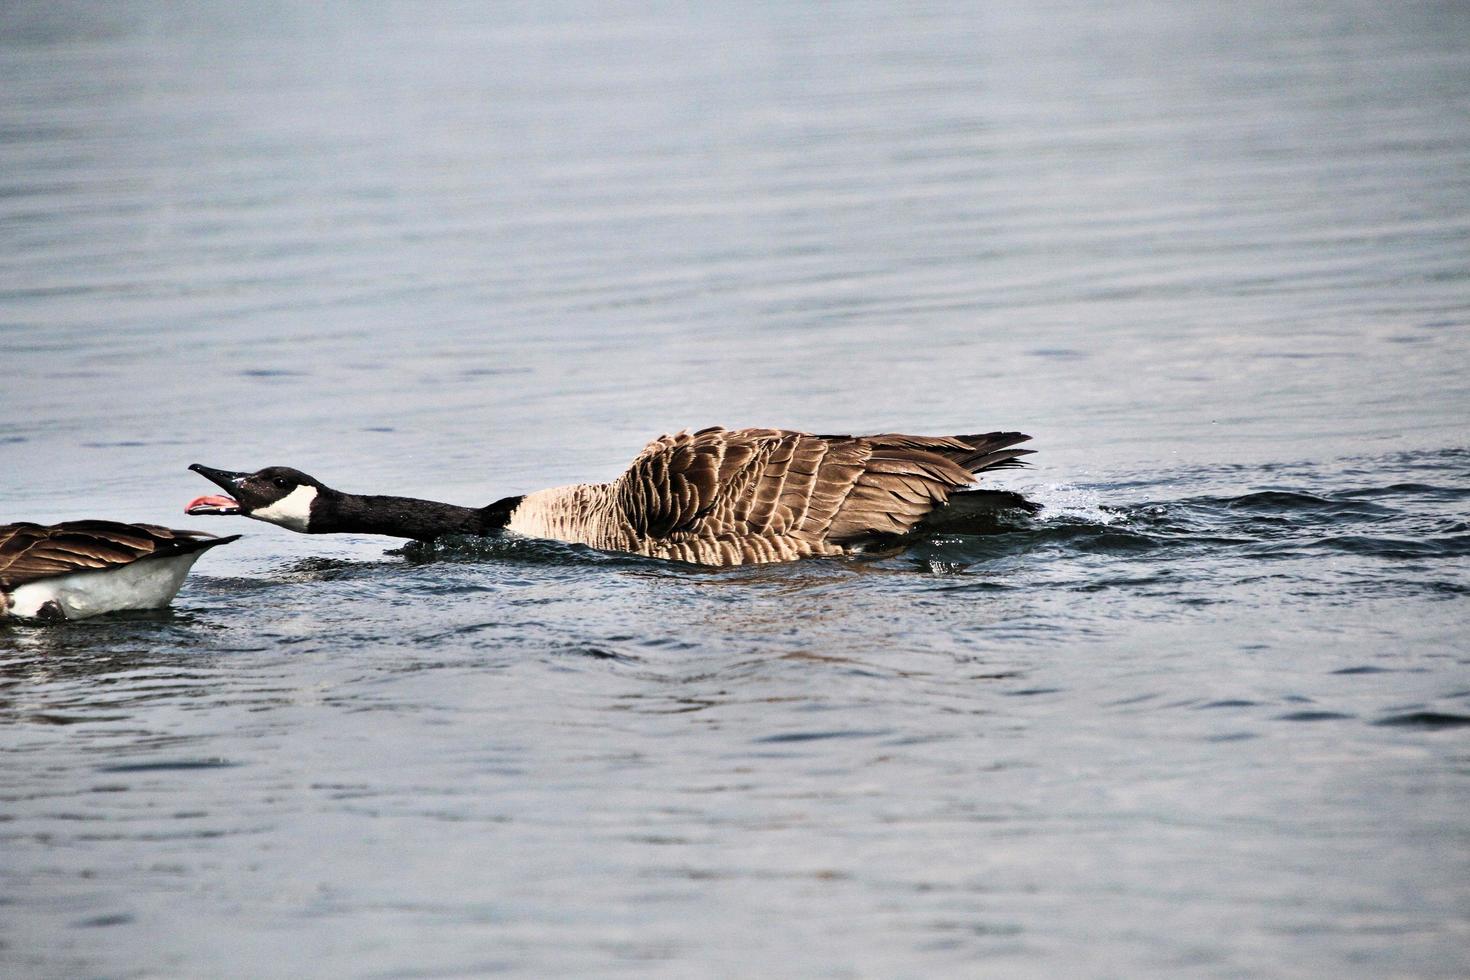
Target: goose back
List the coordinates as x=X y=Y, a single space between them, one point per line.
x=734 y=497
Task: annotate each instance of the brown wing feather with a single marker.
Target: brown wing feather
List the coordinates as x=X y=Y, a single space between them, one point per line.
x=675 y=481
x=906 y=477
x=810 y=492
x=29 y=552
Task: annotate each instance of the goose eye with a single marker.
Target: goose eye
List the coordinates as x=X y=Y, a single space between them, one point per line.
x=281 y=483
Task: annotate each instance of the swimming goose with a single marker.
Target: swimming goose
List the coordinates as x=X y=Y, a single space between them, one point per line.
x=83 y=568
x=712 y=497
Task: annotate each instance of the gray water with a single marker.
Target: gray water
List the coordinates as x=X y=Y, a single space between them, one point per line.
x=1205 y=714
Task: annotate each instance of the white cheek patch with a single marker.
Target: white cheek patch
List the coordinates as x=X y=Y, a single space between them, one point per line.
x=291 y=511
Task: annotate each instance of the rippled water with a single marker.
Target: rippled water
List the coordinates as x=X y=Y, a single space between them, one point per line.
x=1206 y=713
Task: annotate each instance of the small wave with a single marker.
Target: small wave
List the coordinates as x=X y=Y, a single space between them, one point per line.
x=955 y=554
x=1427 y=720
x=169 y=765
x=1097 y=538
x=598 y=653
x=321 y=569
x=784 y=738
x=1421 y=491
x=473 y=548
x=1452 y=546
x=1298 y=502
x=1314 y=716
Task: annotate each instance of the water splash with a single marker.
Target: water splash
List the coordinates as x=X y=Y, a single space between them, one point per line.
x=1074 y=502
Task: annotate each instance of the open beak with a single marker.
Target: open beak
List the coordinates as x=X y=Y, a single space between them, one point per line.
x=216 y=503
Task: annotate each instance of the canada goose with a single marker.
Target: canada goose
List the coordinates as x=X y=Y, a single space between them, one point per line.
x=712 y=497
x=83 y=568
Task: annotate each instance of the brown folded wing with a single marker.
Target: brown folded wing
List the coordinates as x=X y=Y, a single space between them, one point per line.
x=29 y=552
x=728 y=496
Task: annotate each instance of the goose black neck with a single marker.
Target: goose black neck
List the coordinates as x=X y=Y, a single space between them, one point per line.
x=399 y=517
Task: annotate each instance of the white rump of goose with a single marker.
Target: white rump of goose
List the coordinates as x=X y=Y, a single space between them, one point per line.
x=84 y=568
x=713 y=497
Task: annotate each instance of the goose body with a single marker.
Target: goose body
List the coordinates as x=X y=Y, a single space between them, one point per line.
x=78 y=569
x=713 y=497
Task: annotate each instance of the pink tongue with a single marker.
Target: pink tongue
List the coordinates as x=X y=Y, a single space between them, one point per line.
x=215 y=500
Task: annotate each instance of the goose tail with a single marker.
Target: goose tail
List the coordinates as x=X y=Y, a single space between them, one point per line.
x=992 y=451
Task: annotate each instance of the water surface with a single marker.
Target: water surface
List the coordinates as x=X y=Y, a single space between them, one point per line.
x=1207 y=713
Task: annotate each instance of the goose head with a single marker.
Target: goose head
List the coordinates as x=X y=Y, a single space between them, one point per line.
x=276 y=495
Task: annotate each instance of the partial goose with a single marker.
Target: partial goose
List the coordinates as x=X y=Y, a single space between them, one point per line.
x=84 y=568
x=712 y=497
